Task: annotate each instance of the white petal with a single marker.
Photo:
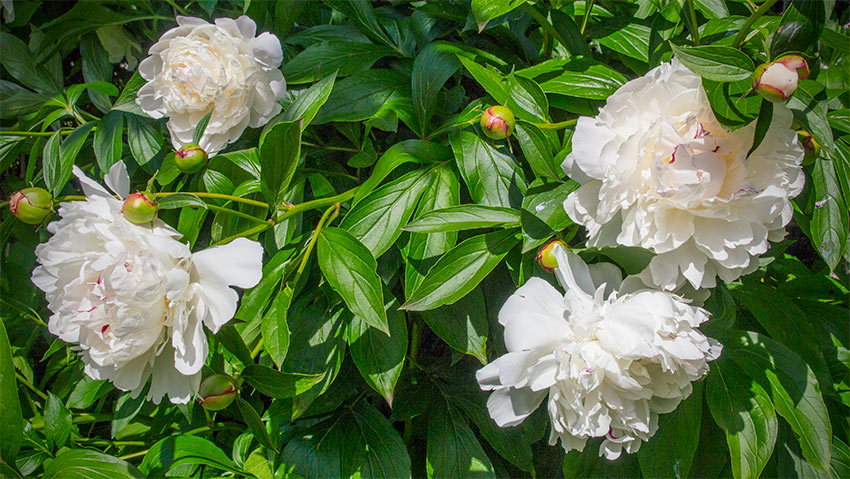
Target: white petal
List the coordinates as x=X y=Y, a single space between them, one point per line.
x=90 y=187
x=572 y=272
x=238 y=263
x=267 y=50
x=509 y=407
x=118 y=180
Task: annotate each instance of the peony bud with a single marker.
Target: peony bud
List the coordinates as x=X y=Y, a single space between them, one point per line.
x=31 y=205
x=777 y=81
x=498 y=122
x=139 y=208
x=217 y=392
x=546 y=255
x=810 y=146
x=191 y=158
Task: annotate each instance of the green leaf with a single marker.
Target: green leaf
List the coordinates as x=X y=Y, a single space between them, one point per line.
x=18 y=100
x=201 y=127
x=795 y=391
x=351 y=271
x=255 y=423
x=180 y=200
x=88 y=464
x=829 y=224
x=379 y=357
x=492 y=81
x=407 y=151
x=526 y=99
x=731 y=105
x=229 y=337
x=323 y=59
x=539 y=151
x=145 y=138
x=279 y=384
x=743 y=410
x=275 y=329
x=126 y=408
x=376 y=221
x=174 y=451
x=52 y=168
x=57 y=422
x=543 y=211
x=280 y=150
x=363 y=17
x=462 y=325
x=255 y=300
x=631 y=40
x=671 y=450
x=307 y=104
x=96 y=67
x=108 y=140
x=460 y=270
x=19 y=61
x=453 y=450
x=716 y=63
x=463 y=217
x=127 y=99
x=86 y=392
x=434 y=65
x=59 y=157
x=383 y=451
x=493 y=178
x=486 y=10
x=765 y=117
x=362 y=95
x=585 y=78
x=799 y=28
x=11 y=421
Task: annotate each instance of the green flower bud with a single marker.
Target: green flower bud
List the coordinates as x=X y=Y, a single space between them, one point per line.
x=777 y=81
x=498 y=122
x=546 y=255
x=810 y=146
x=31 y=205
x=216 y=392
x=191 y=158
x=139 y=208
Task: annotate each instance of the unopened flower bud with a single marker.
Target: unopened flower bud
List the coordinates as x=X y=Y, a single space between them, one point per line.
x=546 y=255
x=191 y=158
x=31 y=205
x=498 y=122
x=216 y=392
x=139 y=208
x=810 y=146
x=777 y=81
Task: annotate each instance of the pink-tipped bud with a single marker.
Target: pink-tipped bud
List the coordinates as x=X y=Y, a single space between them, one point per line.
x=777 y=81
x=810 y=146
x=31 y=205
x=546 y=255
x=498 y=122
x=139 y=208
x=216 y=392
x=191 y=158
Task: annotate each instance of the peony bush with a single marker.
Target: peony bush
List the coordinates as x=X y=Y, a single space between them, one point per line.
x=467 y=238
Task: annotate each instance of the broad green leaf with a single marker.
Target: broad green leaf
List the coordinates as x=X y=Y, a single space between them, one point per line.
x=109 y=140
x=376 y=220
x=11 y=421
x=379 y=357
x=460 y=270
x=743 y=410
x=453 y=450
x=585 y=78
x=318 y=451
x=323 y=59
x=543 y=212
x=178 y=450
x=280 y=151
x=486 y=10
x=538 y=150
x=462 y=325
x=230 y=338
x=363 y=17
x=631 y=40
x=351 y=271
x=255 y=423
x=671 y=450
x=96 y=67
x=126 y=408
x=144 y=137
x=714 y=62
x=526 y=99
x=407 y=151
x=57 y=422
x=19 y=61
x=307 y=104
x=809 y=106
x=89 y=464
x=731 y=105
x=18 y=100
x=255 y=300
x=799 y=28
x=127 y=99
x=765 y=117
x=492 y=81
x=275 y=329
x=432 y=67
x=794 y=389
x=278 y=384
x=361 y=95
x=383 y=452
x=180 y=200
x=463 y=217
x=492 y=177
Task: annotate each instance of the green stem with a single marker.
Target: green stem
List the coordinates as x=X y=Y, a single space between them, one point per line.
x=244 y=234
x=257 y=348
x=694 y=25
x=745 y=28
x=588 y=5
x=316 y=204
x=331 y=148
x=556 y=126
x=29 y=386
x=219 y=196
x=327 y=216
x=134 y=455
x=33 y=133
x=236 y=213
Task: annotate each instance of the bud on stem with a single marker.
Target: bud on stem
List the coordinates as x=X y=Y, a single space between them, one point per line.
x=216 y=392
x=31 y=205
x=546 y=255
x=139 y=208
x=191 y=158
x=777 y=81
x=498 y=122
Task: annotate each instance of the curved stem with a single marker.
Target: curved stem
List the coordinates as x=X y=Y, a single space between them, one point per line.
x=33 y=133
x=218 y=196
x=745 y=28
x=556 y=126
x=315 y=204
x=29 y=386
x=331 y=148
x=327 y=216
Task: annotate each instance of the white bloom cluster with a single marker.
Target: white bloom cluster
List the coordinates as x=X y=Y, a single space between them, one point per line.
x=659 y=172
x=134 y=297
x=197 y=67
x=610 y=355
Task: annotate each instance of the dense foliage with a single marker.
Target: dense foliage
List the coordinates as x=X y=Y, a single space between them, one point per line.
x=394 y=229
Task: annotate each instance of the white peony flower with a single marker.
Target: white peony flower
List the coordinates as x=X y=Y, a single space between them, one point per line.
x=610 y=355
x=197 y=67
x=134 y=297
x=658 y=171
